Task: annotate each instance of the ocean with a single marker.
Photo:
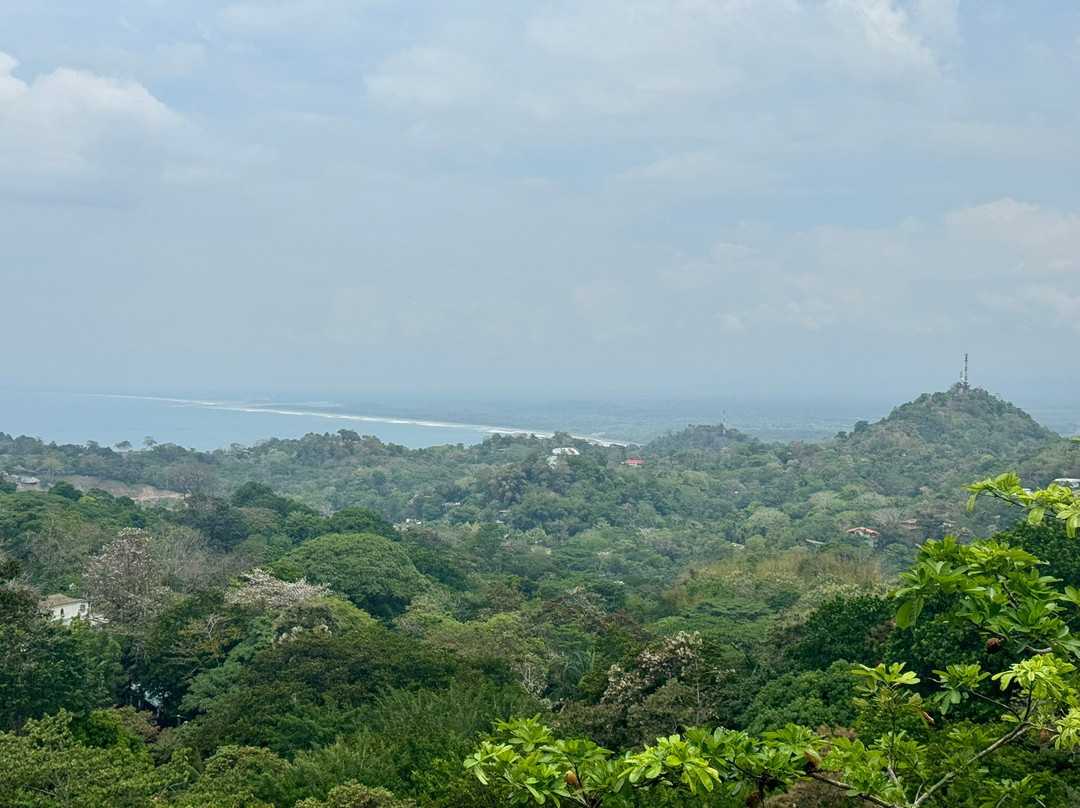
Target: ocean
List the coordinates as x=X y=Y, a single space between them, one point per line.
x=212 y=422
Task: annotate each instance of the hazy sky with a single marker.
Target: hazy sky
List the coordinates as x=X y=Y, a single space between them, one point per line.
x=579 y=196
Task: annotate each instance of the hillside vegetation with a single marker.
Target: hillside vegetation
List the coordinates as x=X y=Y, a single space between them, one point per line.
x=333 y=621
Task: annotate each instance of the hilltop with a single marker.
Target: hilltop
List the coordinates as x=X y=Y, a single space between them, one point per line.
x=967 y=419
x=944 y=436
x=697 y=437
x=940 y=440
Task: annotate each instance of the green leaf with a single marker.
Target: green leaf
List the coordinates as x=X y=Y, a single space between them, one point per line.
x=905 y=615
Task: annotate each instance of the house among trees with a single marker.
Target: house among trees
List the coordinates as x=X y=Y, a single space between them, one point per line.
x=634 y=463
x=560 y=453
x=65 y=609
x=867 y=533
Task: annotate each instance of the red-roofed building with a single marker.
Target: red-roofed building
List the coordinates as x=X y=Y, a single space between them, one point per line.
x=863 y=533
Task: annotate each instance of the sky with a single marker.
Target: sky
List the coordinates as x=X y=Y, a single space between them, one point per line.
x=581 y=197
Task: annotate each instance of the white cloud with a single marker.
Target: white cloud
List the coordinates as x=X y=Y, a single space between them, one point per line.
x=532 y=177
x=870 y=40
x=725 y=251
x=164 y=60
x=693 y=46
x=998 y=266
x=1052 y=300
x=938 y=21
x=72 y=125
x=1043 y=238
x=996 y=140
x=699 y=92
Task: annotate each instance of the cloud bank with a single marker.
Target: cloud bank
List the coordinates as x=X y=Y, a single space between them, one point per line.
x=701 y=195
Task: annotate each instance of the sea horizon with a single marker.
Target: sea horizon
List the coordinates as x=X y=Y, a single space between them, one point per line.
x=207 y=422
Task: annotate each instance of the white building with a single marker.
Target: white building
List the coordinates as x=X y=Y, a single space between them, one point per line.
x=65 y=609
x=560 y=453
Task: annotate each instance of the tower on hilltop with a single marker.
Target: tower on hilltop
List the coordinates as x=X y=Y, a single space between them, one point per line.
x=964 y=376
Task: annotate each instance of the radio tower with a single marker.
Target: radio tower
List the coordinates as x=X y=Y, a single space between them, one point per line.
x=964 y=378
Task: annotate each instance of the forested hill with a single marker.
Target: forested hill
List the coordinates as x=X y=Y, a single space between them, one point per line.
x=915 y=460
x=958 y=424
x=946 y=436
x=938 y=441
x=303 y=623
x=707 y=486
x=965 y=420
x=697 y=437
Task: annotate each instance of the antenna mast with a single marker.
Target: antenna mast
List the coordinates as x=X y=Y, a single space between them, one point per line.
x=964 y=379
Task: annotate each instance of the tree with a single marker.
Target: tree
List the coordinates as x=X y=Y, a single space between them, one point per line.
x=361 y=520
x=66 y=490
x=1055 y=501
x=302 y=691
x=814 y=698
x=189 y=636
x=989 y=585
x=354 y=795
x=124 y=582
x=45 y=666
x=46 y=765
x=373 y=572
x=259 y=589
x=487 y=541
x=851 y=629
x=500 y=640
x=185 y=559
x=238 y=777
x=216 y=519
x=194 y=479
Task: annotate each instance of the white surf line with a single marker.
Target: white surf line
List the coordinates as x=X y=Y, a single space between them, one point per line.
x=373 y=419
x=152 y=398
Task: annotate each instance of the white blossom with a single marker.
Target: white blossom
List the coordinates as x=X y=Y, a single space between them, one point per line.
x=259 y=589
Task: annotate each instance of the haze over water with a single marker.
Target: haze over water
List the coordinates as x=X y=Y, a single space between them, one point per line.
x=209 y=422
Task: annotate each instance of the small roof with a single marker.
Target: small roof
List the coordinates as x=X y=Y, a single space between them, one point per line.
x=52 y=601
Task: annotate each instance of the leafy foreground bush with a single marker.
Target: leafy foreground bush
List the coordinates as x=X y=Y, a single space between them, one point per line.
x=899 y=758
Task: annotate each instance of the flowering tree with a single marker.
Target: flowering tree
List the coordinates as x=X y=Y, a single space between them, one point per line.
x=124 y=582
x=261 y=590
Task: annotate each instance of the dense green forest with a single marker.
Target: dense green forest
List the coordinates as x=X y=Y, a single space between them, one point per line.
x=335 y=621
